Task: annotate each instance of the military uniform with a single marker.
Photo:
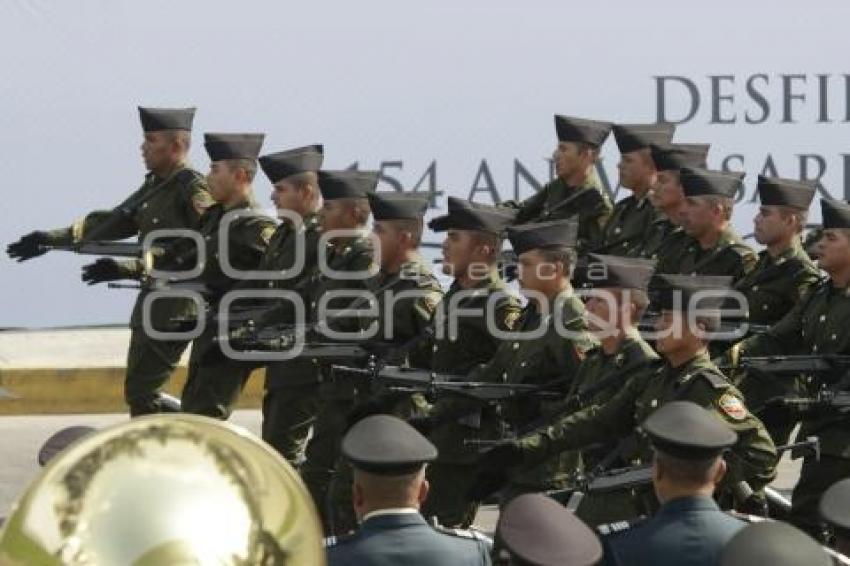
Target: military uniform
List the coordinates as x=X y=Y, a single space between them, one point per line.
x=176 y=201
x=557 y=201
x=729 y=256
x=772 y=289
x=625 y=231
x=385 y=446
x=662 y=237
x=213 y=392
x=689 y=527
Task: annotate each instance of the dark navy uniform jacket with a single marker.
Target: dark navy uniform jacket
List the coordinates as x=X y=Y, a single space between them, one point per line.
x=406 y=539
x=688 y=531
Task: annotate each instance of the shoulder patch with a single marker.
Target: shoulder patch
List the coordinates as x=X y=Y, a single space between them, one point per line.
x=608 y=529
x=332 y=540
x=715 y=379
x=732 y=407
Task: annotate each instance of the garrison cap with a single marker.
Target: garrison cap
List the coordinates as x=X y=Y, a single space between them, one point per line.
x=539 y=531
x=674 y=156
x=685 y=430
x=632 y=137
x=665 y=288
x=283 y=164
x=347 y=184
x=835 y=505
x=835 y=213
x=61 y=440
x=774 y=191
x=221 y=147
x=386 y=445
x=158 y=119
x=603 y=271
x=698 y=182
x=466 y=215
x=773 y=543
x=397 y=206
x=591 y=132
x=542 y=235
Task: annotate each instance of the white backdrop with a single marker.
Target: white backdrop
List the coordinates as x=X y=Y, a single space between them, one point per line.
x=456 y=83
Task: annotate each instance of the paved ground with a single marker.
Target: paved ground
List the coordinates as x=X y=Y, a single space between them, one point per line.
x=22 y=436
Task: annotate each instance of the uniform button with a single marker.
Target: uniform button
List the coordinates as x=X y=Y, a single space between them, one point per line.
x=815 y=348
x=522 y=364
x=504 y=375
x=617 y=230
x=822 y=317
x=764 y=307
x=271 y=284
x=208 y=238
x=755 y=287
x=313 y=305
x=315 y=361
x=515 y=346
x=434 y=349
x=653 y=403
x=155 y=220
x=834 y=337
x=144 y=205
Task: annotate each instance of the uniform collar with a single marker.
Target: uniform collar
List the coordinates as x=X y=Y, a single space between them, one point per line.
x=391 y=518
x=688 y=503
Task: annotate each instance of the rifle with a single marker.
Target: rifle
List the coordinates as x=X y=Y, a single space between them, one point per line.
x=796 y=364
x=107 y=248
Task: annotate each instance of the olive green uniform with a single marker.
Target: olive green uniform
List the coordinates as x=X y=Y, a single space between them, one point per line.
x=626 y=230
x=557 y=201
x=173 y=202
x=221 y=379
x=537 y=361
x=816 y=325
x=772 y=289
x=753 y=459
x=662 y=237
x=599 y=378
x=456 y=419
x=730 y=256
x=211 y=386
x=415 y=293
x=335 y=399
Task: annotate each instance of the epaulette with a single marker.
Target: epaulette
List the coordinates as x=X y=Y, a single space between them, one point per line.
x=187 y=176
x=337 y=540
x=617 y=527
x=471 y=534
x=714 y=378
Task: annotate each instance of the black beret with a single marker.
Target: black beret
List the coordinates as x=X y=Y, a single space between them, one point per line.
x=221 y=147
x=397 y=206
x=157 y=119
x=591 y=132
x=665 y=288
x=602 y=271
x=835 y=214
x=835 y=505
x=698 y=182
x=537 y=530
x=284 y=164
x=685 y=430
x=542 y=235
x=773 y=543
x=347 y=184
x=774 y=191
x=466 y=215
x=632 y=137
x=674 y=156
x=383 y=444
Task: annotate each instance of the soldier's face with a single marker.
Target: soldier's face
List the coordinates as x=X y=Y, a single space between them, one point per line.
x=772 y=225
x=834 y=250
x=602 y=310
x=458 y=248
x=537 y=274
x=674 y=334
x=700 y=216
x=286 y=196
x=221 y=181
x=390 y=240
x=338 y=214
x=157 y=149
x=668 y=195
x=569 y=159
x=635 y=168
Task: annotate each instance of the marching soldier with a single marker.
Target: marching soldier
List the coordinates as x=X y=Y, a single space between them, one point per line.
x=534 y=529
x=461 y=339
x=577 y=189
x=667 y=195
x=550 y=342
x=712 y=246
x=346 y=265
x=173 y=196
x=625 y=231
x=217 y=380
x=818 y=325
x=211 y=389
x=405 y=295
x=615 y=293
x=688 y=444
x=686 y=375
x=781 y=276
x=389 y=458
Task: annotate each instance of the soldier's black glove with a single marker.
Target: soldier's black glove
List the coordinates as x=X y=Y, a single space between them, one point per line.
x=104 y=269
x=32 y=245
